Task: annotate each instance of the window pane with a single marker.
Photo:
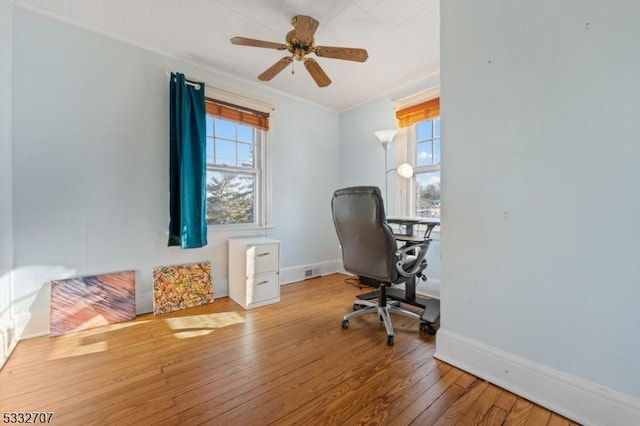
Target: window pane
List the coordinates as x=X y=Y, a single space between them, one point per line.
x=230 y=198
x=211 y=158
x=225 y=129
x=428 y=194
x=424 y=155
x=436 y=127
x=245 y=133
x=209 y=124
x=424 y=129
x=225 y=153
x=245 y=155
x=436 y=151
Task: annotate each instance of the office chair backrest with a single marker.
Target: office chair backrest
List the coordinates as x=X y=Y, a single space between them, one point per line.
x=368 y=245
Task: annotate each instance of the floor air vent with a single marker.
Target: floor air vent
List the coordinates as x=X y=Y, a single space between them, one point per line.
x=311 y=273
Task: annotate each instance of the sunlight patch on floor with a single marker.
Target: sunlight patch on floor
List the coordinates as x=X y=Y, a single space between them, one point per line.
x=201 y=325
x=74 y=344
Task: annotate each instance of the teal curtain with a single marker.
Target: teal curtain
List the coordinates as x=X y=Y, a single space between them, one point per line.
x=187 y=171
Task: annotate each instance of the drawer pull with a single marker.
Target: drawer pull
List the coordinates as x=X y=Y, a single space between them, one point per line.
x=263 y=282
x=264 y=254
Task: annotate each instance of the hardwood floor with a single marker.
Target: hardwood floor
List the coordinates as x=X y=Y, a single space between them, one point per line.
x=287 y=363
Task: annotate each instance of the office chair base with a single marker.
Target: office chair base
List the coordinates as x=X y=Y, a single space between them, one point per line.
x=431 y=307
x=431 y=314
x=385 y=315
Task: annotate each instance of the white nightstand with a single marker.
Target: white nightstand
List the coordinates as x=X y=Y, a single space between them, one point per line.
x=254 y=271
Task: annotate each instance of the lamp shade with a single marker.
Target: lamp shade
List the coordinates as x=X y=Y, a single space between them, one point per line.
x=405 y=170
x=386 y=135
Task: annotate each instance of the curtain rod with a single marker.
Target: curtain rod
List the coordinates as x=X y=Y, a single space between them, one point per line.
x=189 y=83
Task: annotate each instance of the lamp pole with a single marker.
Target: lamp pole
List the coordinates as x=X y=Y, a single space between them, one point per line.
x=385 y=146
x=385 y=137
x=404 y=170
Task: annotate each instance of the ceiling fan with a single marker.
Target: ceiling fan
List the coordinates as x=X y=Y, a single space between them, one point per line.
x=300 y=43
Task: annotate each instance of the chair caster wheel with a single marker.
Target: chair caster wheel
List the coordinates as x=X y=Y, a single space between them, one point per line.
x=356 y=306
x=428 y=328
x=345 y=324
x=389 y=340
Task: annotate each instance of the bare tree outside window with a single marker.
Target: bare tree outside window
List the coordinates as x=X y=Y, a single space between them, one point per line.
x=233 y=170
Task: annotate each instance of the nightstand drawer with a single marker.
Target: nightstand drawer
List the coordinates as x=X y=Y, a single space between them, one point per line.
x=265 y=258
x=263 y=287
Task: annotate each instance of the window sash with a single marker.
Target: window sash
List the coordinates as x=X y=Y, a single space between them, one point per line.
x=254 y=198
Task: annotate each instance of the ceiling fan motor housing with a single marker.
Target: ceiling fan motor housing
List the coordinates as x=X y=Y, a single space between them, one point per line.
x=299 y=49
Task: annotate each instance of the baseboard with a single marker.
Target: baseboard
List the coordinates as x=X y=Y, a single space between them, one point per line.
x=294 y=274
x=7 y=331
x=571 y=396
x=29 y=325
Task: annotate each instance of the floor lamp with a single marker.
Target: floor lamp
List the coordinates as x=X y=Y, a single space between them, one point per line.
x=405 y=170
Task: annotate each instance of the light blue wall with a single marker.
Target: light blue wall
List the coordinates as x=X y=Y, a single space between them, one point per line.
x=6 y=199
x=307 y=171
x=361 y=155
x=90 y=164
x=540 y=183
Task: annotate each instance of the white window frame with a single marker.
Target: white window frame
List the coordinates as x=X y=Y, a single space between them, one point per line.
x=263 y=195
x=405 y=151
x=413 y=145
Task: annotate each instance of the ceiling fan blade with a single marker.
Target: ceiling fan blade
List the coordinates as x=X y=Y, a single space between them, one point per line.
x=316 y=72
x=275 y=69
x=305 y=27
x=347 y=53
x=243 y=41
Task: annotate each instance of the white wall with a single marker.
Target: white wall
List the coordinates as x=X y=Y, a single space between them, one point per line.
x=6 y=199
x=90 y=170
x=540 y=180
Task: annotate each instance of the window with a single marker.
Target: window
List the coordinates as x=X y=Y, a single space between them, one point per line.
x=422 y=121
x=236 y=165
x=427 y=168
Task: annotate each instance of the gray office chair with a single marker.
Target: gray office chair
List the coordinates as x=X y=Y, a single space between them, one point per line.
x=369 y=249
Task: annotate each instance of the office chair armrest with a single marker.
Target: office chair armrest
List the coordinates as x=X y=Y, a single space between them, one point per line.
x=416 y=262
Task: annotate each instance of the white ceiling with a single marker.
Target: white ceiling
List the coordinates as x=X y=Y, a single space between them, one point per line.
x=402 y=38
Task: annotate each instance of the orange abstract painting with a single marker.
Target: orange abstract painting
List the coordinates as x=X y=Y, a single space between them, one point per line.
x=87 y=302
x=181 y=286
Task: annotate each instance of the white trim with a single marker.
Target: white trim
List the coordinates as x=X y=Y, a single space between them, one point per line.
x=262 y=189
x=403 y=187
x=571 y=396
x=416 y=98
x=30 y=325
x=294 y=274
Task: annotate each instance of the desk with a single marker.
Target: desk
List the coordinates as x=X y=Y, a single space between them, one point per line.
x=407 y=227
x=408 y=232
